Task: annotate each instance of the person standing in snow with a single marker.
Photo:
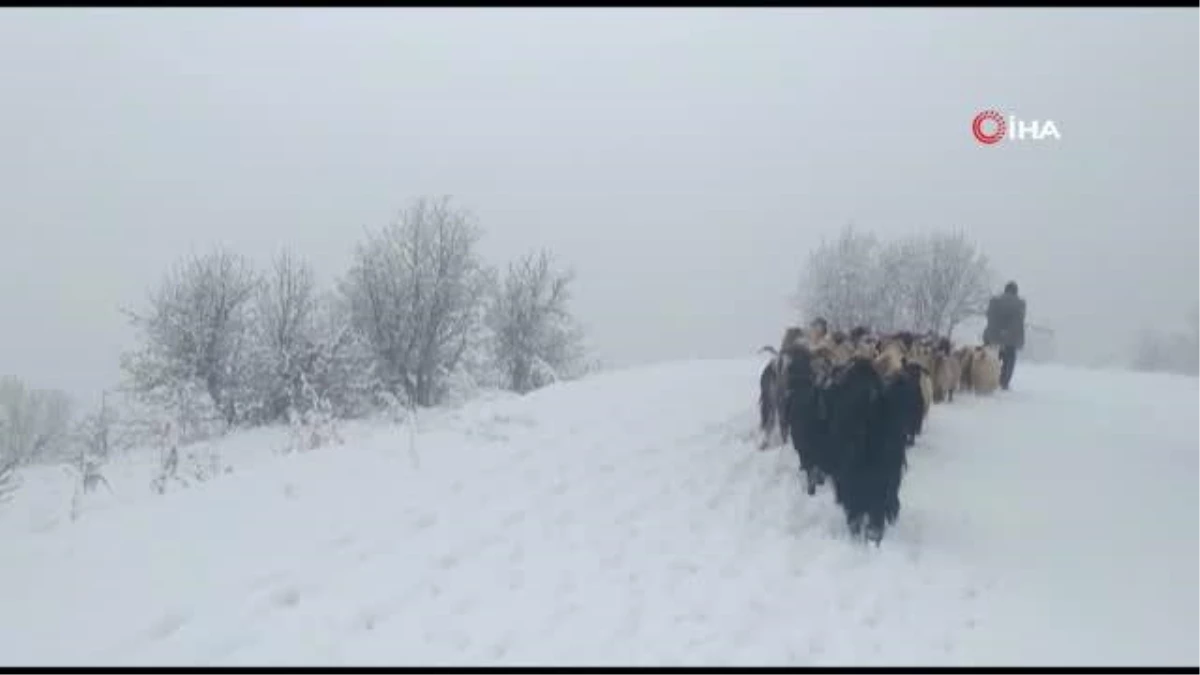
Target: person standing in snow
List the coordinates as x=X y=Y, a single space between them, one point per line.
x=1006 y=329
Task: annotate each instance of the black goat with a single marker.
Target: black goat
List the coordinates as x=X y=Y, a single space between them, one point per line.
x=852 y=426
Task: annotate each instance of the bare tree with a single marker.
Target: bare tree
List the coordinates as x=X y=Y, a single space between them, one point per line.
x=337 y=368
x=840 y=280
x=922 y=283
x=536 y=338
x=950 y=281
x=94 y=433
x=34 y=423
x=10 y=461
x=10 y=480
x=93 y=440
x=196 y=330
x=416 y=290
x=894 y=286
x=286 y=306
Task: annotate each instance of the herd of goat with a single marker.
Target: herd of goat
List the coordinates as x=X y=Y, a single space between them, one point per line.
x=853 y=403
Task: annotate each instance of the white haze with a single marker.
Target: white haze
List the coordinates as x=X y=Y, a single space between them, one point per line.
x=684 y=161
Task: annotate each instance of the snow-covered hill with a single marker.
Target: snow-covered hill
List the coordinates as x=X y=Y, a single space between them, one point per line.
x=628 y=519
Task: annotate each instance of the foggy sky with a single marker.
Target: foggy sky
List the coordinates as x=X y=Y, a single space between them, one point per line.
x=683 y=161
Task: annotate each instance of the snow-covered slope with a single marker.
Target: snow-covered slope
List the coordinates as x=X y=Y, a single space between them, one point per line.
x=628 y=519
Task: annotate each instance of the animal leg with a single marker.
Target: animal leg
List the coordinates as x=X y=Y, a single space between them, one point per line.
x=855 y=523
x=874 y=529
x=893 y=509
x=813 y=480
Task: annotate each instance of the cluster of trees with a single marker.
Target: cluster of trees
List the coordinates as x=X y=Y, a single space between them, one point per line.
x=925 y=282
x=1170 y=351
x=418 y=310
x=33 y=423
x=221 y=344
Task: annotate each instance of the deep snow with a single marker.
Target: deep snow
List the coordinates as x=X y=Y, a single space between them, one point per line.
x=629 y=519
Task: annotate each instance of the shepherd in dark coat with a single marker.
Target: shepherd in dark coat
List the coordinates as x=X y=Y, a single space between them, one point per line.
x=1006 y=329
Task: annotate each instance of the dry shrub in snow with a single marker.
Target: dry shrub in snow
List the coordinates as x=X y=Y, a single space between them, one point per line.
x=10 y=480
x=316 y=425
x=183 y=465
x=86 y=470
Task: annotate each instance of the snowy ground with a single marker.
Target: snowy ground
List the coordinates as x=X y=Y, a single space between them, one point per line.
x=628 y=519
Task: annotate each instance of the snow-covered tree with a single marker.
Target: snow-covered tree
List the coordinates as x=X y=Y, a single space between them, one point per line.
x=949 y=281
x=93 y=446
x=316 y=426
x=1170 y=351
x=94 y=434
x=536 y=339
x=196 y=331
x=928 y=282
x=34 y=423
x=337 y=362
x=894 y=286
x=304 y=349
x=415 y=290
x=840 y=281
x=10 y=480
x=285 y=308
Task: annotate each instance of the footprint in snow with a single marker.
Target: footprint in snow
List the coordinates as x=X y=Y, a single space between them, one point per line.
x=816 y=644
x=684 y=567
x=227 y=646
x=286 y=597
x=513 y=518
x=462 y=606
x=368 y=619
x=342 y=541
x=516 y=579
x=872 y=616
x=375 y=613
x=498 y=651
x=167 y=625
x=517 y=554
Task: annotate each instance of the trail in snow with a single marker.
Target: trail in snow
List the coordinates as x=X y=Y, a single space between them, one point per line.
x=629 y=519
x=1086 y=485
